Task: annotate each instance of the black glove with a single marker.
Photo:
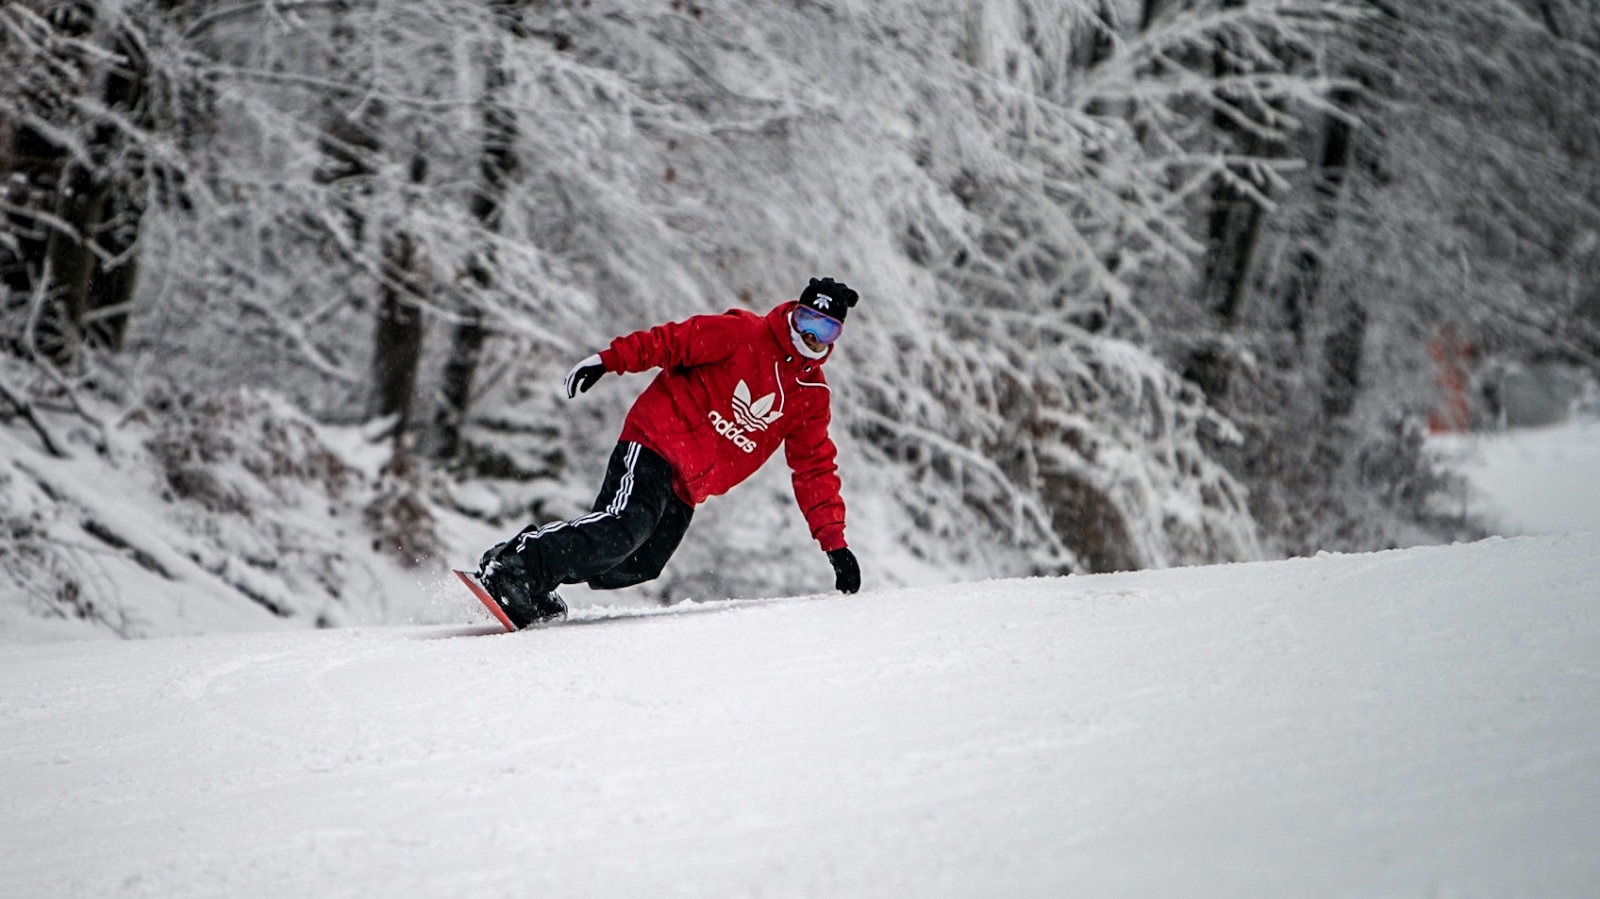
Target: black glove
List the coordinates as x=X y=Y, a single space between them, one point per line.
x=846 y=571
x=583 y=375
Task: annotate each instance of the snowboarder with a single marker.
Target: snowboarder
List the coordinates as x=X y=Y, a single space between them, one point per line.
x=732 y=388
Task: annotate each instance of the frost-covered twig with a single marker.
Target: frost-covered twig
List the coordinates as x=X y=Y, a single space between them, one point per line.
x=25 y=409
x=1025 y=504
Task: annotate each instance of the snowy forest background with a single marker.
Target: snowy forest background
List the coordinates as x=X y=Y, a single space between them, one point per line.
x=287 y=288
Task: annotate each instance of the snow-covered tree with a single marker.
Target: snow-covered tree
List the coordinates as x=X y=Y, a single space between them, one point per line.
x=1449 y=192
x=1080 y=228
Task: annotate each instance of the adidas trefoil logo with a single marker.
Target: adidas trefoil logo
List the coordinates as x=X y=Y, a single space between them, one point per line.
x=748 y=417
x=824 y=303
x=753 y=416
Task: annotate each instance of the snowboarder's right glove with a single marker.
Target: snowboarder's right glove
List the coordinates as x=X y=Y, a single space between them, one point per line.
x=583 y=375
x=846 y=571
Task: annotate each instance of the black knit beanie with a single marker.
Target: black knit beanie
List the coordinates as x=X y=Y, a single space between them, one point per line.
x=829 y=297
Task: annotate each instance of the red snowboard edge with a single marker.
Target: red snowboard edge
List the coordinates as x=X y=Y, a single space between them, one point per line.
x=483 y=597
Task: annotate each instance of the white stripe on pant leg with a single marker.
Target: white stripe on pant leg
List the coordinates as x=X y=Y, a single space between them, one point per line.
x=558 y=525
x=522 y=542
x=625 y=486
x=584 y=519
x=618 y=503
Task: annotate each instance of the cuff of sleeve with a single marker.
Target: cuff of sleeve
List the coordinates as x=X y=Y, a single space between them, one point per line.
x=609 y=358
x=831 y=538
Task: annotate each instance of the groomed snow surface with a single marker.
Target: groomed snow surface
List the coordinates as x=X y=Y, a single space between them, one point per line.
x=1421 y=723
x=1532 y=480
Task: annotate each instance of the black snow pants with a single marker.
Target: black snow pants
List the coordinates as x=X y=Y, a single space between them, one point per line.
x=637 y=523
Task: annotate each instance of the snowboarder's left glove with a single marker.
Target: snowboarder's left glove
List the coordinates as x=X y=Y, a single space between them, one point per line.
x=584 y=374
x=846 y=571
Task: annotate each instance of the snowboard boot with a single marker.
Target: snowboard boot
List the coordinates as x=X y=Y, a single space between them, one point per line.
x=504 y=579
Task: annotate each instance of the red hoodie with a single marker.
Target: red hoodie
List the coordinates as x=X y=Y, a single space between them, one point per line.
x=732 y=388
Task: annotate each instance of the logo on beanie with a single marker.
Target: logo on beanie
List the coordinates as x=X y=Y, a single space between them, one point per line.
x=823 y=302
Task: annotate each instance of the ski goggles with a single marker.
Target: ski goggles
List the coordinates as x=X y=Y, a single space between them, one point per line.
x=822 y=328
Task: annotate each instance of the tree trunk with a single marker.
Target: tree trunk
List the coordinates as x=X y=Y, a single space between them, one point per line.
x=101 y=206
x=1547 y=12
x=85 y=249
x=460 y=370
x=33 y=169
x=1306 y=278
x=397 y=342
x=1101 y=45
x=1347 y=326
x=1342 y=355
x=1102 y=40
x=1152 y=10
x=110 y=296
x=70 y=261
x=397 y=345
x=349 y=143
x=1233 y=228
x=497 y=165
x=1233 y=231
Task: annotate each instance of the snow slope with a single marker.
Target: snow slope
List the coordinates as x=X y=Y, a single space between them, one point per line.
x=1530 y=480
x=1421 y=722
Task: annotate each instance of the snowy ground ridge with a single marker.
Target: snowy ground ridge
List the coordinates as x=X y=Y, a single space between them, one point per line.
x=1413 y=722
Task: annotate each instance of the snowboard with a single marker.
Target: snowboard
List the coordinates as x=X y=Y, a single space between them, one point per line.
x=483 y=597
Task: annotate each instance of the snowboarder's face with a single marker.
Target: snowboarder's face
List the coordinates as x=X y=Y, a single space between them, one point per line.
x=816 y=329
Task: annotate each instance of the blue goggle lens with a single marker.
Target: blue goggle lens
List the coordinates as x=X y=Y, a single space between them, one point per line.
x=821 y=328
